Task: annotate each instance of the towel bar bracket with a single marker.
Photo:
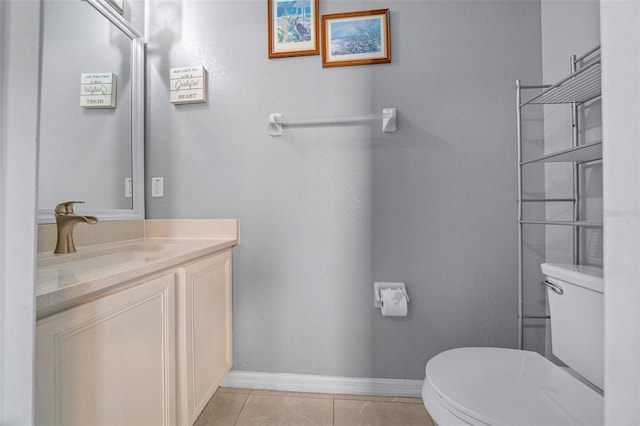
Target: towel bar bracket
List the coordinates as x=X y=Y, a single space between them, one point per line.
x=275 y=128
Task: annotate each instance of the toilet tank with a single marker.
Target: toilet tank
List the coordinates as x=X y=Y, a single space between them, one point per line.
x=577 y=318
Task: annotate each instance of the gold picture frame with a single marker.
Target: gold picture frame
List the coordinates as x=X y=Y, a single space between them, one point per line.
x=293 y=28
x=356 y=38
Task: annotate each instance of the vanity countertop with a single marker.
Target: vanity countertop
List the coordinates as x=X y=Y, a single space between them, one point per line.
x=65 y=280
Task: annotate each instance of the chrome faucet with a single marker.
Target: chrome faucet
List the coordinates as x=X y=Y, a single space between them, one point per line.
x=66 y=220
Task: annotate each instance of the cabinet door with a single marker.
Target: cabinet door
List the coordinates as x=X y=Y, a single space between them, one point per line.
x=110 y=361
x=205 y=332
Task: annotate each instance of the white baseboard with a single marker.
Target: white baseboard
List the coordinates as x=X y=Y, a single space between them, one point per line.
x=323 y=384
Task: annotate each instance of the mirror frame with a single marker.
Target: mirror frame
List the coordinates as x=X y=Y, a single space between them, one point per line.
x=137 y=124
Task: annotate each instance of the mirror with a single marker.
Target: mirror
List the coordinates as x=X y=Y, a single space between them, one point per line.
x=90 y=154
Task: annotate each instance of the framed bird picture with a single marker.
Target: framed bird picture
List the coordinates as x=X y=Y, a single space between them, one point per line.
x=356 y=38
x=293 y=28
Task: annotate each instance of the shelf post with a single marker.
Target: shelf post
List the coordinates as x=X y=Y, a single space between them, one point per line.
x=575 y=139
x=520 y=225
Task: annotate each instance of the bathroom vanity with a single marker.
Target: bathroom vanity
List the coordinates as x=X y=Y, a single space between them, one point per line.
x=137 y=331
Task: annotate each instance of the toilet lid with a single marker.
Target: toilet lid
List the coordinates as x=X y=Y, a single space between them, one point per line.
x=511 y=387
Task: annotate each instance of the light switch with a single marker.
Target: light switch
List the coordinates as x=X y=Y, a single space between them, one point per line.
x=157 y=187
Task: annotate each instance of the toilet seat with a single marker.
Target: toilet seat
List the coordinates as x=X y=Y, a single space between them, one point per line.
x=496 y=386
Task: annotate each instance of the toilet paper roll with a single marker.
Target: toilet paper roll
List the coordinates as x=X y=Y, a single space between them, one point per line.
x=394 y=302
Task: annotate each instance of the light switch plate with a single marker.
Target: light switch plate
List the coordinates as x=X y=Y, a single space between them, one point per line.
x=157 y=187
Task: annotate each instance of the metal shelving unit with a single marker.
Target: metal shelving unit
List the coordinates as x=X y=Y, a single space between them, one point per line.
x=581 y=86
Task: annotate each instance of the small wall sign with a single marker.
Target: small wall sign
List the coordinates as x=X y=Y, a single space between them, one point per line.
x=188 y=85
x=98 y=90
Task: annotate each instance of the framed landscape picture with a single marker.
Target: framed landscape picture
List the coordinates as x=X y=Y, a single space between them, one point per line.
x=293 y=28
x=356 y=38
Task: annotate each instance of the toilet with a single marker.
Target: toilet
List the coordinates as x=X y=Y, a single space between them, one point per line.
x=498 y=386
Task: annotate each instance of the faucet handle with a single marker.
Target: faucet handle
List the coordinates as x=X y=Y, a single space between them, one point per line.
x=66 y=207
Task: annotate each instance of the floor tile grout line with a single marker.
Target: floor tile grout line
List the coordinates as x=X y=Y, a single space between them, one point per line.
x=242 y=408
x=333 y=409
x=371 y=398
x=340 y=396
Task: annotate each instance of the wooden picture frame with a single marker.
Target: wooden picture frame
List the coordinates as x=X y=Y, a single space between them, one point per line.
x=356 y=38
x=293 y=28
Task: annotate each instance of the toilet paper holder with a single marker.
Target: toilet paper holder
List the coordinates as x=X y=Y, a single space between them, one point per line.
x=377 y=297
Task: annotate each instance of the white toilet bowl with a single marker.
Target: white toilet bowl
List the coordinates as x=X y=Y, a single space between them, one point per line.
x=495 y=386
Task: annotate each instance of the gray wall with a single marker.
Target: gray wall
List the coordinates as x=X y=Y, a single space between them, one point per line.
x=326 y=211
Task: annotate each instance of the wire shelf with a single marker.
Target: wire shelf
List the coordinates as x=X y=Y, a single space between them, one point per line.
x=581 y=86
x=580 y=154
x=582 y=223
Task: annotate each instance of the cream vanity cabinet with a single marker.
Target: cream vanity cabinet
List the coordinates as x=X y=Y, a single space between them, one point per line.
x=150 y=354
x=205 y=345
x=110 y=361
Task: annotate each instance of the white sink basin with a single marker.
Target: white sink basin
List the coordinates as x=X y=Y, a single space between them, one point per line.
x=108 y=254
x=62 y=270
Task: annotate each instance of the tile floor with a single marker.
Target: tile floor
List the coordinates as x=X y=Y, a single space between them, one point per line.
x=249 y=407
